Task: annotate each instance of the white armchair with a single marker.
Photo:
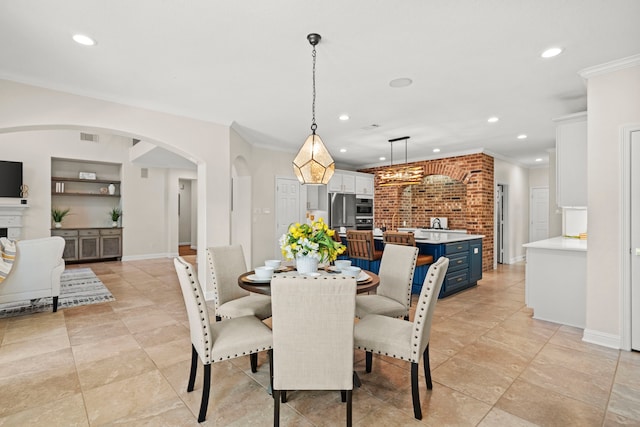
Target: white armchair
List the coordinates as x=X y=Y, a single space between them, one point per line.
x=35 y=272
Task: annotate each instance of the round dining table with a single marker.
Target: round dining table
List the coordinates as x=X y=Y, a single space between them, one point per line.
x=264 y=288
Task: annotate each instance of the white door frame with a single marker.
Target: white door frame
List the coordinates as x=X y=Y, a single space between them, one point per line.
x=506 y=255
x=625 y=230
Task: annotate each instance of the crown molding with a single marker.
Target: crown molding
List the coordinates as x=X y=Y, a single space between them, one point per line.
x=608 y=67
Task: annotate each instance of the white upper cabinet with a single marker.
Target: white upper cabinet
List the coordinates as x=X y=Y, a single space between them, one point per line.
x=342 y=182
x=571 y=160
x=364 y=184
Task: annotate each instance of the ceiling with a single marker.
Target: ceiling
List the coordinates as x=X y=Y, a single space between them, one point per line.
x=248 y=64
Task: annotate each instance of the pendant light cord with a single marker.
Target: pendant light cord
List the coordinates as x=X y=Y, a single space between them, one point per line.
x=314 y=126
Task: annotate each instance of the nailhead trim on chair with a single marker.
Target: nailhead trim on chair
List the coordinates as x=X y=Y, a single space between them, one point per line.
x=216 y=301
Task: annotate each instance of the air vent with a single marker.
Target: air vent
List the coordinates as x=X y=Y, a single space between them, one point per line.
x=88 y=137
x=371 y=127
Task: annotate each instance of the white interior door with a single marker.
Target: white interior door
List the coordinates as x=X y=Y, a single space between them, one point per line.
x=539 y=214
x=635 y=240
x=287 y=207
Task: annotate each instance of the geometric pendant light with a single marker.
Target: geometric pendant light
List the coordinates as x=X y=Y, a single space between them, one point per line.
x=313 y=163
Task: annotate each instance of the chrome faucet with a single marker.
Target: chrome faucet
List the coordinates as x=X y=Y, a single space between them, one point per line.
x=436 y=224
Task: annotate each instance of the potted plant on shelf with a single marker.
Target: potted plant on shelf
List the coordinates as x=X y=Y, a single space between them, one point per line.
x=58 y=215
x=309 y=244
x=115 y=214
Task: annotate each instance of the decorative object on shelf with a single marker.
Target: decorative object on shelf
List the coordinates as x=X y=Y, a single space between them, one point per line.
x=59 y=187
x=24 y=191
x=314 y=240
x=313 y=164
x=58 y=215
x=401 y=174
x=115 y=213
x=87 y=175
x=104 y=190
x=112 y=189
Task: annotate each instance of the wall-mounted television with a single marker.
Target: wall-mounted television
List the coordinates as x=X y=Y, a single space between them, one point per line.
x=10 y=179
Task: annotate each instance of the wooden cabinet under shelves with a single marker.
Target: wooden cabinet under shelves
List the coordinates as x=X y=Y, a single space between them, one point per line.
x=90 y=244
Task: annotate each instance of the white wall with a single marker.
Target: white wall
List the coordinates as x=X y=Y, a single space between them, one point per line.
x=147 y=229
x=612 y=103
x=517 y=180
x=265 y=164
x=24 y=107
x=538 y=177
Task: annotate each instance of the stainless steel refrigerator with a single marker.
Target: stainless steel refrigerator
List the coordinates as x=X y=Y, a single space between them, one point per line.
x=342 y=210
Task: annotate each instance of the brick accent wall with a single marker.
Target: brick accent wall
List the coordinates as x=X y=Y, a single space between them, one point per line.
x=459 y=188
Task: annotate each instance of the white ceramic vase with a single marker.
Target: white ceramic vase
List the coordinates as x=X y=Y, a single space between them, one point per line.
x=112 y=189
x=114 y=224
x=306 y=264
x=58 y=225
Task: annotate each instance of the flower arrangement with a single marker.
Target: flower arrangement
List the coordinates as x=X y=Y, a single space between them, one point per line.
x=313 y=240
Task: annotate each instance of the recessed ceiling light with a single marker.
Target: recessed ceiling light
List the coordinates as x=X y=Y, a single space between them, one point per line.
x=343 y=150
x=383 y=158
x=344 y=117
x=83 y=40
x=436 y=150
x=551 y=52
x=492 y=119
x=401 y=82
x=522 y=136
x=538 y=159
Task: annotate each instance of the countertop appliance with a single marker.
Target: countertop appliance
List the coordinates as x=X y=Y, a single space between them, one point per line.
x=439 y=223
x=342 y=210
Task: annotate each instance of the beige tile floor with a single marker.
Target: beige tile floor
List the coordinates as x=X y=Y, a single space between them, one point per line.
x=127 y=363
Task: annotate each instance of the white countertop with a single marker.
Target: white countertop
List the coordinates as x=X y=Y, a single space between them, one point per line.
x=559 y=243
x=437 y=238
x=429 y=230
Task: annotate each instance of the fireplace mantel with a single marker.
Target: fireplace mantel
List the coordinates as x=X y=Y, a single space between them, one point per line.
x=11 y=219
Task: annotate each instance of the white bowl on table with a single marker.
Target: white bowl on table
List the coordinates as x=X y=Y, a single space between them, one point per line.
x=264 y=272
x=352 y=271
x=342 y=263
x=275 y=263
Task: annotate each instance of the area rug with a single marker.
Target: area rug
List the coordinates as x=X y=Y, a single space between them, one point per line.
x=78 y=286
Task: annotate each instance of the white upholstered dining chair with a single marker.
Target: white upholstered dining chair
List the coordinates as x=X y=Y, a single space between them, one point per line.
x=313 y=320
x=226 y=264
x=402 y=339
x=393 y=296
x=217 y=341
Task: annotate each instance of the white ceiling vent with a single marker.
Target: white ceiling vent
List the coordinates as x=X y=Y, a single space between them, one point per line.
x=88 y=137
x=371 y=127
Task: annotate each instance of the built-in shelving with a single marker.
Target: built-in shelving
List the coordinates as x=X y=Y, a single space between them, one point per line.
x=88 y=230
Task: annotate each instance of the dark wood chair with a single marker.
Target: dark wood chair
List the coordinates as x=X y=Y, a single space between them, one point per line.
x=361 y=250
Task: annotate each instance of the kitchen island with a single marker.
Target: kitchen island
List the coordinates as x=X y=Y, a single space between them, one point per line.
x=556 y=280
x=465 y=259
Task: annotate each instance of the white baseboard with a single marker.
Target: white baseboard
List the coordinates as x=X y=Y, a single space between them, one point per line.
x=184 y=243
x=601 y=338
x=149 y=256
x=516 y=259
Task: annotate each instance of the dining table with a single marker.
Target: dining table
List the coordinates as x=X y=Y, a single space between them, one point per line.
x=367 y=281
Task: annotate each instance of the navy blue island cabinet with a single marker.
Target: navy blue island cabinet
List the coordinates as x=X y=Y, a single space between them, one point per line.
x=465 y=264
